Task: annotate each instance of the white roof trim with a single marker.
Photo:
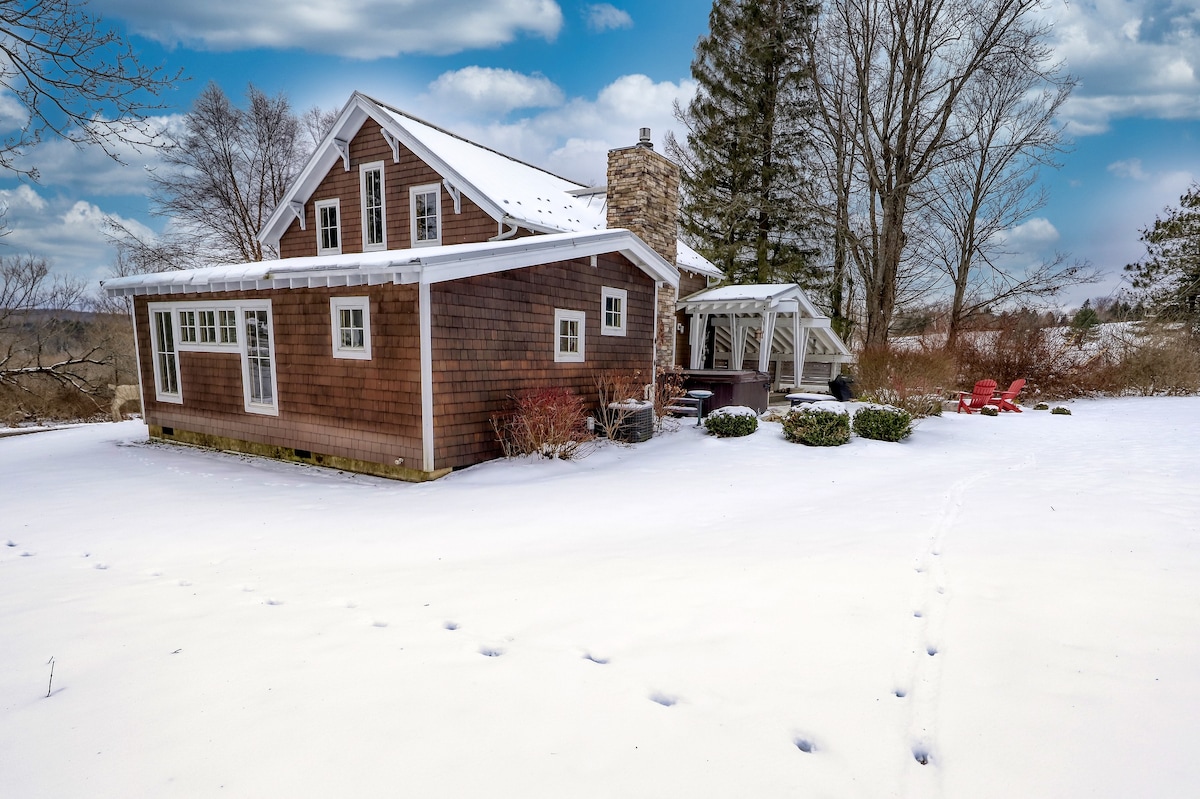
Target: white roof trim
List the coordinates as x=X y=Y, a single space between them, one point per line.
x=423 y=264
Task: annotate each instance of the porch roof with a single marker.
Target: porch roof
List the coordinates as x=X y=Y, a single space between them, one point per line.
x=415 y=265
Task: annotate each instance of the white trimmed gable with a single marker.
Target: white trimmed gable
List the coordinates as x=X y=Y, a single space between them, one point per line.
x=512 y=192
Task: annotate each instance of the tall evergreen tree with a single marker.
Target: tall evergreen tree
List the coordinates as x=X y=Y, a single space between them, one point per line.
x=745 y=176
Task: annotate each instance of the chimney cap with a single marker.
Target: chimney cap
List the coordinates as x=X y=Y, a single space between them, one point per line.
x=644 y=138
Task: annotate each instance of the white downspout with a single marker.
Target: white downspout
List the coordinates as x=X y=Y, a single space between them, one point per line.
x=425 y=317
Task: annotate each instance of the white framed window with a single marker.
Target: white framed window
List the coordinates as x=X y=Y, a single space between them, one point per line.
x=227 y=320
x=351 y=324
x=374 y=231
x=187 y=327
x=568 y=335
x=166 y=358
x=207 y=321
x=425 y=211
x=259 y=385
x=329 y=227
x=613 y=311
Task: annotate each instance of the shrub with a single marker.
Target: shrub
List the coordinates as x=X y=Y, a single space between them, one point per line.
x=909 y=379
x=1041 y=406
x=550 y=422
x=620 y=395
x=1061 y=411
x=821 y=424
x=668 y=385
x=883 y=423
x=1165 y=362
x=988 y=410
x=731 y=421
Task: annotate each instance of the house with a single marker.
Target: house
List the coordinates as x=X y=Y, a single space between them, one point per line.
x=423 y=280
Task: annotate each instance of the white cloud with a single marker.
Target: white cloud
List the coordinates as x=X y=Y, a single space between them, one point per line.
x=70 y=233
x=1032 y=236
x=1133 y=58
x=90 y=171
x=1131 y=169
x=495 y=90
x=606 y=17
x=363 y=29
x=574 y=138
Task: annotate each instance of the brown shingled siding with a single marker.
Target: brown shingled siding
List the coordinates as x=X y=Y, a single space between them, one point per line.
x=479 y=362
x=366 y=410
x=367 y=146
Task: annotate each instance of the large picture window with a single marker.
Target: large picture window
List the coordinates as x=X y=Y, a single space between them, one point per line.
x=373 y=229
x=425 y=207
x=329 y=231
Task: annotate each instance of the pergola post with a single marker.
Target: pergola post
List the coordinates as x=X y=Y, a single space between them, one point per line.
x=768 y=338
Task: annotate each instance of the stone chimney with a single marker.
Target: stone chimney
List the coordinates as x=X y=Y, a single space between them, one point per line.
x=643 y=196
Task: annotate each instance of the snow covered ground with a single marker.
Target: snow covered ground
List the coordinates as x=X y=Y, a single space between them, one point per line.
x=1014 y=600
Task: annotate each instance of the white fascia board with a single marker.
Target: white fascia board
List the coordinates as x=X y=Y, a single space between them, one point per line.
x=351 y=118
x=536 y=250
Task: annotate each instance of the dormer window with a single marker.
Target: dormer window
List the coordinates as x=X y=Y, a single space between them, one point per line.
x=329 y=231
x=373 y=227
x=425 y=209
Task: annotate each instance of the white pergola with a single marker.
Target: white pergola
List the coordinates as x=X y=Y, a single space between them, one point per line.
x=774 y=323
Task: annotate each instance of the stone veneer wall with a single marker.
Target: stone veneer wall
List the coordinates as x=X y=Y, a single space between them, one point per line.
x=643 y=196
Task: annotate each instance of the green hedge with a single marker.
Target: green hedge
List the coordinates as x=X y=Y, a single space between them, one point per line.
x=883 y=423
x=731 y=421
x=817 y=427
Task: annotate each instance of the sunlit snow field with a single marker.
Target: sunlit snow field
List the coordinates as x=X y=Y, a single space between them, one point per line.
x=1013 y=600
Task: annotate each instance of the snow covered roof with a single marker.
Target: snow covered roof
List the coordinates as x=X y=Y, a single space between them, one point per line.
x=423 y=264
x=510 y=191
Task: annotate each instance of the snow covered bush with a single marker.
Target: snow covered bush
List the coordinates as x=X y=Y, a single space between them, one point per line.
x=550 y=422
x=883 y=423
x=1041 y=406
x=990 y=410
x=1061 y=411
x=731 y=421
x=820 y=424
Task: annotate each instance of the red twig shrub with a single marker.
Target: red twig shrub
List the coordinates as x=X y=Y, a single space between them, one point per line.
x=550 y=422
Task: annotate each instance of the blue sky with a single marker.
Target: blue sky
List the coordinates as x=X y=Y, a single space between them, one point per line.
x=560 y=83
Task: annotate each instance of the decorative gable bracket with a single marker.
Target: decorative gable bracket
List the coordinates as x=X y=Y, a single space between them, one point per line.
x=297 y=208
x=394 y=143
x=343 y=147
x=455 y=195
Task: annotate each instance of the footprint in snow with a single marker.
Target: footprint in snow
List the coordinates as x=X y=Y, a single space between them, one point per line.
x=274 y=601
x=27 y=554
x=666 y=700
x=10 y=544
x=596 y=659
x=101 y=566
x=900 y=693
x=491 y=651
x=450 y=625
x=185 y=583
x=921 y=756
x=805 y=745
x=379 y=623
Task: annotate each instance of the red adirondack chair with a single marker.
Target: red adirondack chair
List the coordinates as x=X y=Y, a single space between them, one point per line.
x=976 y=398
x=1005 y=401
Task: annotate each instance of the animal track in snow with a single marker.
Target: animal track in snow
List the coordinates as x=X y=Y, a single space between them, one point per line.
x=10 y=544
x=595 y=658
x=185 y=583
x=491 y=651
x=921 y=756
x=805 y=745
x=900 y=693
x=931 y=650
x=666 y=700
x=27 y=554
x=450 y=625
x=379 y=623
x=101 y=566
x=273 y=601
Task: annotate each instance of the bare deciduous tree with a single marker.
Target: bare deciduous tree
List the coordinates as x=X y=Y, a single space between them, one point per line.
x=890 y=78
x=224 y=173
x=37 y=340
x=74 y=78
